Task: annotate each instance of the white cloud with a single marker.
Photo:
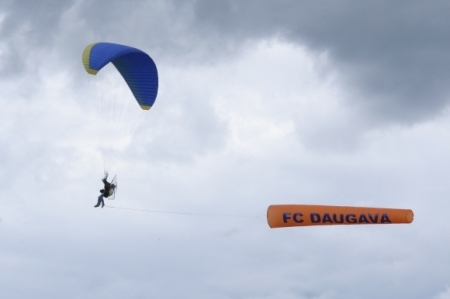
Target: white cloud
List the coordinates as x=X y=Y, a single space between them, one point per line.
x=444 y=294
x=271 y=124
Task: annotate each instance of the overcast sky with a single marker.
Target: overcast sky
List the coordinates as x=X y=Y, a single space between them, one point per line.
x=260 y=102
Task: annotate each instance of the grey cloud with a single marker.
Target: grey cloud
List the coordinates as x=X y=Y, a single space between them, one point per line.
x=27 y=26
x=394 y=54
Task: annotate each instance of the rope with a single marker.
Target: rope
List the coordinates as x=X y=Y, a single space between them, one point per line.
x=118 y=116
x=183 y=213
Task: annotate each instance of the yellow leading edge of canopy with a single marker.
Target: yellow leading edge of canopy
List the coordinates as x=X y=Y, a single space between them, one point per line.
x=85 y=57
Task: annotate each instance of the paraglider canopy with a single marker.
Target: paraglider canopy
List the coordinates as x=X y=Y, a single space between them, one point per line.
x=117 y=116
x=135 y=66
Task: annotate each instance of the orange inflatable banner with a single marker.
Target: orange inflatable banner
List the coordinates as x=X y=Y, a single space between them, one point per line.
x=307 y=215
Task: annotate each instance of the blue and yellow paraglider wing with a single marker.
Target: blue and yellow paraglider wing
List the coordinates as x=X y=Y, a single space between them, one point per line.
x=135 y=66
